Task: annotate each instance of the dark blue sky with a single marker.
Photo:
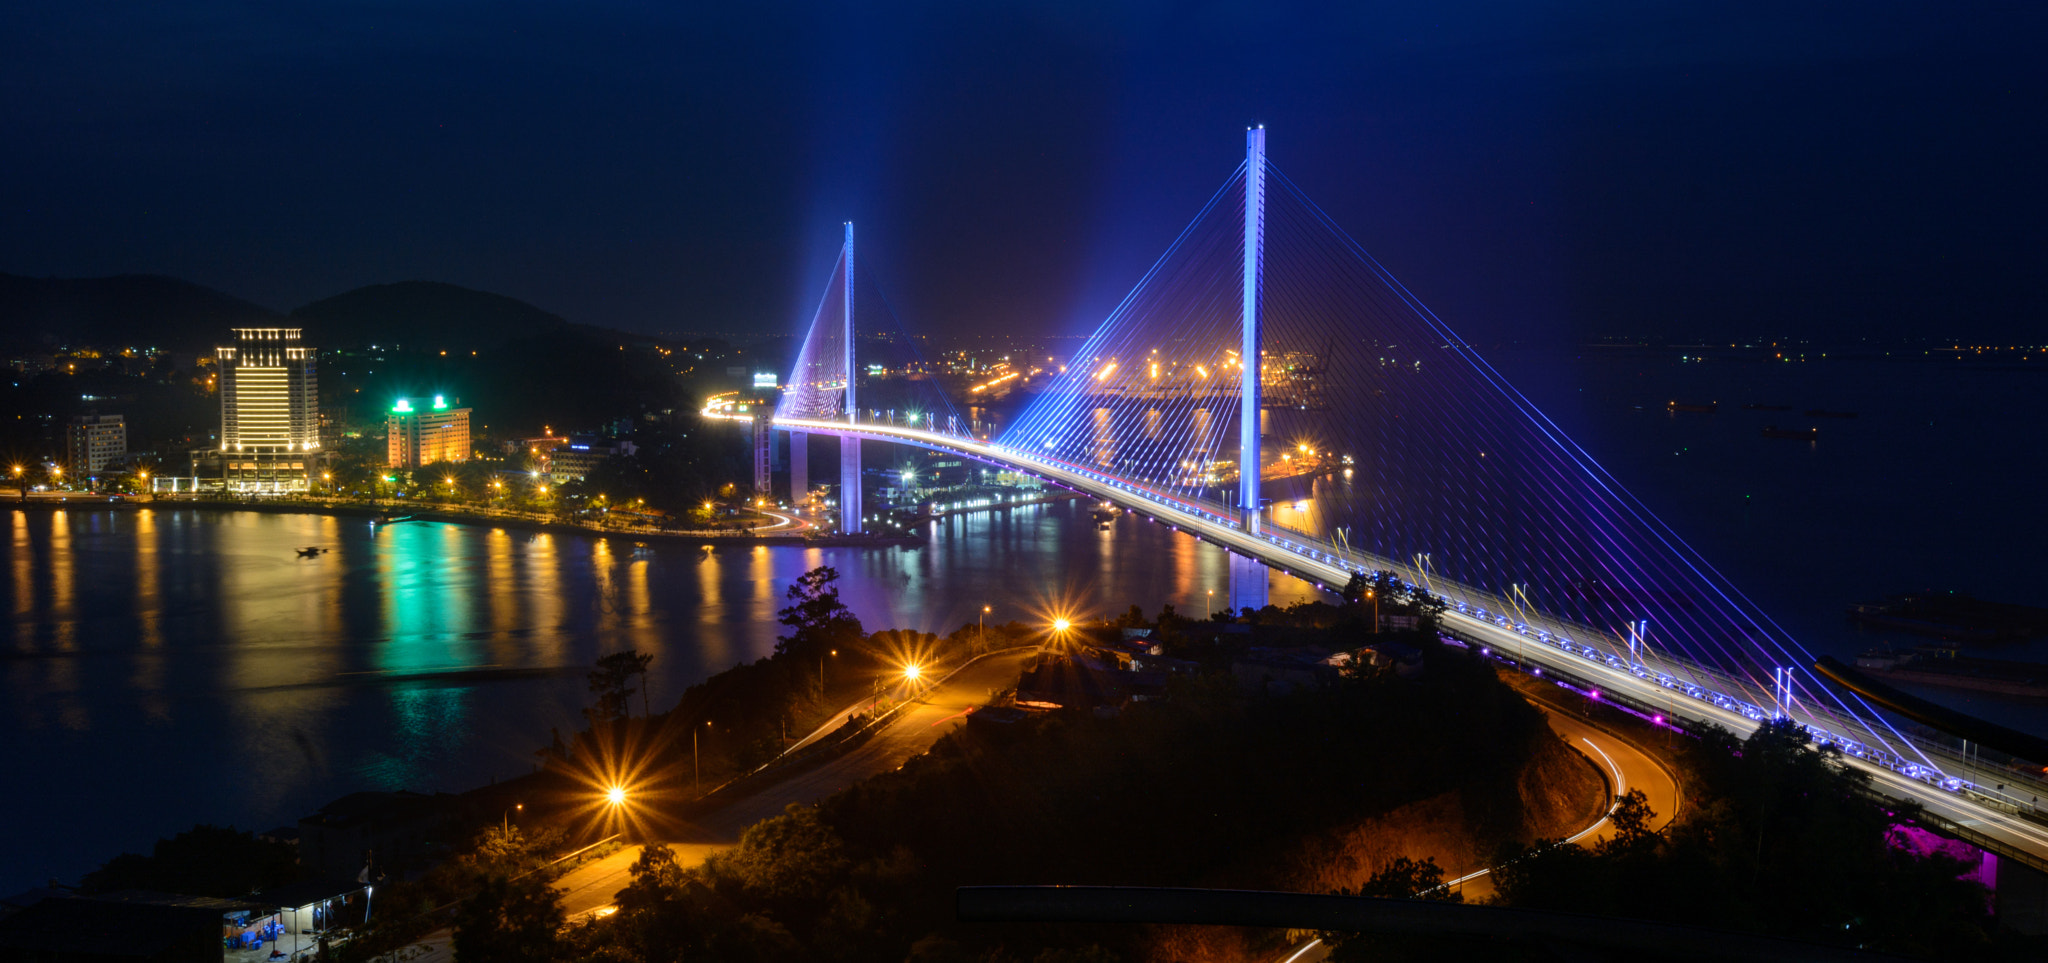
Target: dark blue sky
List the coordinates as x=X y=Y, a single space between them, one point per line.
x=1542 y=170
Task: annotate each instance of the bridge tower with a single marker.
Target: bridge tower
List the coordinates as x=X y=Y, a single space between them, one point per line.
x=1247 y=576
x=849 y=446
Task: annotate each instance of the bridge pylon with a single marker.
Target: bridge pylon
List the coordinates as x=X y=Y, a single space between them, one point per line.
x=1248 y=577
x=849 y=446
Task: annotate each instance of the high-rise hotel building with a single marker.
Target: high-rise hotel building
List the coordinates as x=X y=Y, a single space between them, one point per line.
x=417 y=435
x=269 y=411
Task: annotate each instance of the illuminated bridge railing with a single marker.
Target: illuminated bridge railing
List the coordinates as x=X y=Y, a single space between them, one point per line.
x=1679 y=678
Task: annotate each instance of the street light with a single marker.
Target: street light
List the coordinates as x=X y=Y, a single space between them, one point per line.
x=981 y=624
x=821 y=674
x=911 y=672
x=615 y=796
x=505 y=820
x=1209 y=606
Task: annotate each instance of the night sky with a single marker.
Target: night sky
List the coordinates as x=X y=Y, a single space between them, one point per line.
x=1531 y=170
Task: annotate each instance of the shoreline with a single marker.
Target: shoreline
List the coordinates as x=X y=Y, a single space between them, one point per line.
x=351 y=510
x=442 y=514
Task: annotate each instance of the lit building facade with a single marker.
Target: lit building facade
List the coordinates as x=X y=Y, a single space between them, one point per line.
x=418 y=432
x=269 y=411
x=93 y=442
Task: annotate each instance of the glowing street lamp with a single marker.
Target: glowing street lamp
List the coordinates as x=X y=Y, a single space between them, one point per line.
x=911 y=672
x=615 y=796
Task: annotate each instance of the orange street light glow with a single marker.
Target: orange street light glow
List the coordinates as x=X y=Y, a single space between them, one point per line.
x=1060 y=625
x=911 y=672
x=615 y=795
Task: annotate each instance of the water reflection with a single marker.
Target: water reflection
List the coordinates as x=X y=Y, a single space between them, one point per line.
x=238 y=683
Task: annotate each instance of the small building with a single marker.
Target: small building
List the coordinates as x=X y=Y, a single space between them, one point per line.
x=578 y=459
x=1282 y=669
x=93 y=442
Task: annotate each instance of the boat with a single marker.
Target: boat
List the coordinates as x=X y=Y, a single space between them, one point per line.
x=1708 y=408
x=1824 y=413
x=1767 y=407
x=1798 y=434
x=311 y=551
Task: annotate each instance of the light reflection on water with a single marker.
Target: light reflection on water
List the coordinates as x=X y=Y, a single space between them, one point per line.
x=191 y=659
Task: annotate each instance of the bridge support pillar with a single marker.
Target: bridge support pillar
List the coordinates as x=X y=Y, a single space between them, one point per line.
x=1247 y=584
x=764 y=452
x=799 y=466
x=849 y=484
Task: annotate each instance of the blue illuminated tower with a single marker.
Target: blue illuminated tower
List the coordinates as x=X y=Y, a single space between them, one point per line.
x=1247 y=577
x=849 y=446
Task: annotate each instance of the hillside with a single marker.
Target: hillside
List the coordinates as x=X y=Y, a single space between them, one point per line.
x=423 y=315
x=130 y=310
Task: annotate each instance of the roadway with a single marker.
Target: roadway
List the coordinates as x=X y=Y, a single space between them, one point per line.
x=941 y=709
x=1323 y=566
x=1621 y=764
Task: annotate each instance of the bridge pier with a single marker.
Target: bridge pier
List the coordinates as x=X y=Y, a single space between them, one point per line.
x=849 y=484
x=764 y=451
x=1247 y=584
x=799 y=466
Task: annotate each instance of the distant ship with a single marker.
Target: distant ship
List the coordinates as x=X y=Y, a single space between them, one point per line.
x=1821 y=413
x=1944 y=666
x=1952 y=615
x=1767 y=407
x=1797 y=434
x=1710 y=407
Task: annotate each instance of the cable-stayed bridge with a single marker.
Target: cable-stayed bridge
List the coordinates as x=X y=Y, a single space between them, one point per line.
x=1269 y=388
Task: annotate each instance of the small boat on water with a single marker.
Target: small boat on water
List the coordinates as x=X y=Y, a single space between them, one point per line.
x=1708 y=408
x=311 y=551
x=1797 y=434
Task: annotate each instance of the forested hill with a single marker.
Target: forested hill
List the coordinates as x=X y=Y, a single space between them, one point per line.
x=423 y=315
x=129 y=310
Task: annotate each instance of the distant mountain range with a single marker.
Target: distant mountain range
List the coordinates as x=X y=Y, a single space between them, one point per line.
x=142 y=310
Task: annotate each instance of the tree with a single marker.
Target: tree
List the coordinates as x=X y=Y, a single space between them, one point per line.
x=1405 y=878
x=510 y=921
x=1631 y=821
x=791 y=856
x=818 y=621
x=612 y=683
x=202 y=861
